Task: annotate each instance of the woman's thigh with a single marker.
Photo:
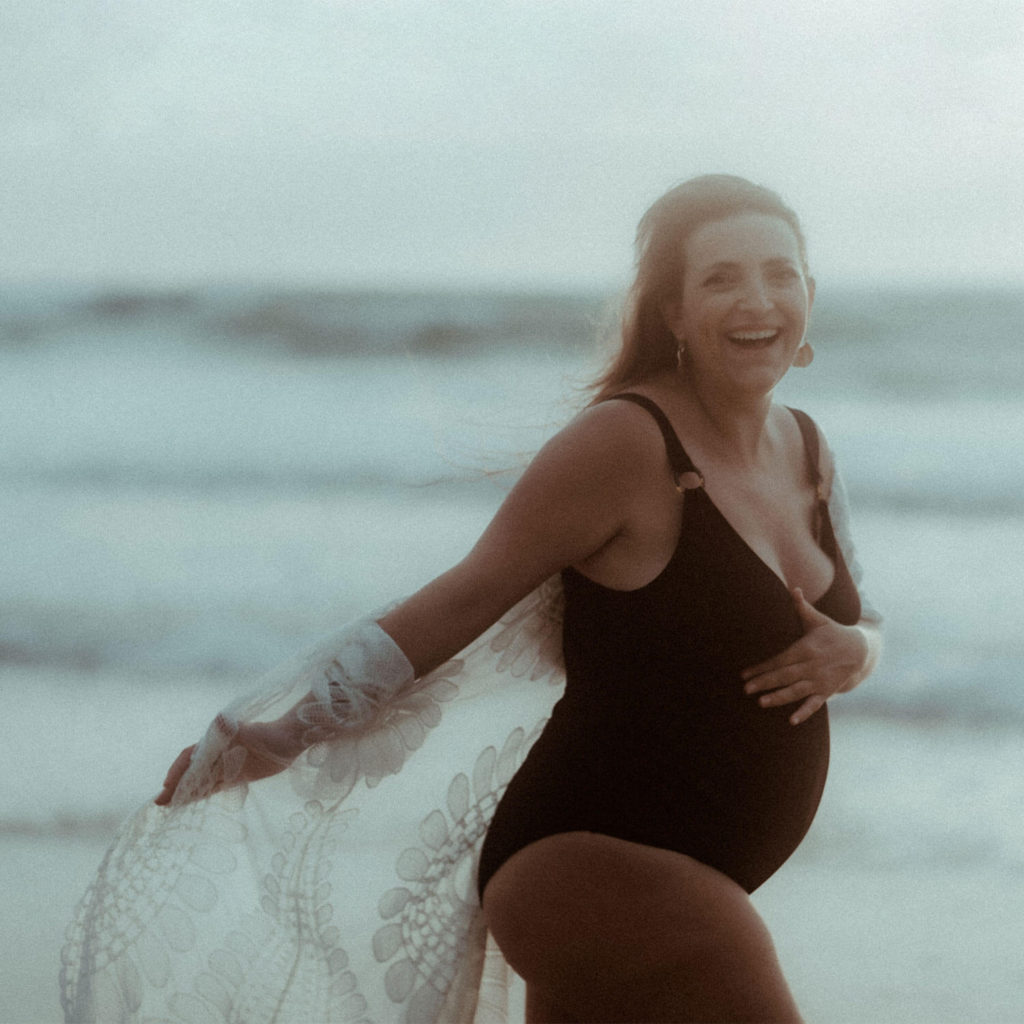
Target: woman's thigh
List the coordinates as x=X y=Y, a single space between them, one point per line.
x=602 y=930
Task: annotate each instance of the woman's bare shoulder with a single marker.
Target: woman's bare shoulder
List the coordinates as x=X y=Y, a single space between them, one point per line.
x=612 y=419
x=620 y=436
x=579 y=492
x=587 y=478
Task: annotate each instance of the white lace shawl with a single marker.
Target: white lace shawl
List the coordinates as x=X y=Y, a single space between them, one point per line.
x=343 y=889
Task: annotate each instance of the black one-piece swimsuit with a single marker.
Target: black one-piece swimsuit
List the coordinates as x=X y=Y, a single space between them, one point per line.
x=654 y=740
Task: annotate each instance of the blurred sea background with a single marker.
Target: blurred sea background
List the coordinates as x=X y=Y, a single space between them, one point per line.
x=197 y=478
x=198 y=482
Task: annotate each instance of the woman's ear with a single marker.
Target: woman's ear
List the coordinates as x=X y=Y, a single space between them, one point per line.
x=672 y=312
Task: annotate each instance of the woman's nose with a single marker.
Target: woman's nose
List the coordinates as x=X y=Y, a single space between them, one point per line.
x=755 y=295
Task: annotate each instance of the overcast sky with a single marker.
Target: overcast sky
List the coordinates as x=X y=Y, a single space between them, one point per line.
x=493 y=142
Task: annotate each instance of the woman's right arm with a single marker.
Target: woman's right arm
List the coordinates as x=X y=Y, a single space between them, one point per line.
x=573 y=499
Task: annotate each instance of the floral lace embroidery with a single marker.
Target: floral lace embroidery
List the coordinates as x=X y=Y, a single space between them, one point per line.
x=242 y=985
x=431 y=919
x=185 y=854
x=234 y=906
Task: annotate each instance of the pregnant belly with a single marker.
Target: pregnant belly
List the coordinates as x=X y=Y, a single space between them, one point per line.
x=738 y=795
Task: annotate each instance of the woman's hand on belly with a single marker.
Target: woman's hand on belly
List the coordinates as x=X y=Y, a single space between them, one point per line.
x=829 y=658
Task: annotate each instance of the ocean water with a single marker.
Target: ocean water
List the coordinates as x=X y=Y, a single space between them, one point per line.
x=197 y=483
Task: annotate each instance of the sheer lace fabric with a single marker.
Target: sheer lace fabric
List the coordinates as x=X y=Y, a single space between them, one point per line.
x=338 y=890
x=342 y=889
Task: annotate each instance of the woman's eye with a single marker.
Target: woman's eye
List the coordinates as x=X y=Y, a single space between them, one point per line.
x=718 y=280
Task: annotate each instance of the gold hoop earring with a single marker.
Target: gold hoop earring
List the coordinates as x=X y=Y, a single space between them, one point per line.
x=804 y=355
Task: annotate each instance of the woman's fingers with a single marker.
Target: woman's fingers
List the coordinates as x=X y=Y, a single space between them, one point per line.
x=174 y=774
x=789 y=684
x=812 y=620
x=267 y=748
x=812 y=669
x=783 y=674
x=788 y=694
x=765 y=666
x=791 y=658
x=813 y=703
x=803 y=690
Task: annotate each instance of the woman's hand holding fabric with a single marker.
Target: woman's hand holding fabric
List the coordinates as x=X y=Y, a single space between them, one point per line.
x=828 y=659
x=354 y=673
x=260 y=749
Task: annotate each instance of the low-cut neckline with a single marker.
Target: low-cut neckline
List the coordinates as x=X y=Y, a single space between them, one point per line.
x=702 y=486
x=664 y=422
x=750 y=548
x=738 y=537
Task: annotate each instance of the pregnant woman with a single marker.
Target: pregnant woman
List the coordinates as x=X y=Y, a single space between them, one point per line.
x=683 y=545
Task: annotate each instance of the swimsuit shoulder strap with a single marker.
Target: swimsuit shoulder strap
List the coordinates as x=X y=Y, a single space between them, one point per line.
x=823 y=530
x=680 y=462
x=812 y=448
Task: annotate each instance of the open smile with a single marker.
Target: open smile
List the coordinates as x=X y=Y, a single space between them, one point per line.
x=754 y=339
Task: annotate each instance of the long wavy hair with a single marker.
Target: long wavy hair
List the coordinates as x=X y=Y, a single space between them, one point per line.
x=647 y=345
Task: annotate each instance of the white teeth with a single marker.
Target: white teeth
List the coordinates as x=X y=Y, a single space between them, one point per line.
x=753 y=335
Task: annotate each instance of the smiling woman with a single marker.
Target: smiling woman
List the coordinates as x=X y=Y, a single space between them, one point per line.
x=744 y=293
x=690 y=648
x=661 y=544
x=649 y=344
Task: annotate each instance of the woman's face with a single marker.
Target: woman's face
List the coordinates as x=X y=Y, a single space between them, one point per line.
x=745 y=302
